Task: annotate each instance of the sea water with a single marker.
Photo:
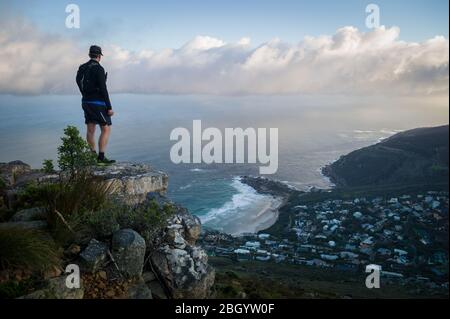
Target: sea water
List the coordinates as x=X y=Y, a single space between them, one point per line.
x=310 y=136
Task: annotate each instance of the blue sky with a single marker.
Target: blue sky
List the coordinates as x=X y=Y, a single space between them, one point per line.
x=135 y=24
x=340 y=56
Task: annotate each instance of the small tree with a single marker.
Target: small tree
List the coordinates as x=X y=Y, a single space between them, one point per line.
x=74 y=154
x=48 y=167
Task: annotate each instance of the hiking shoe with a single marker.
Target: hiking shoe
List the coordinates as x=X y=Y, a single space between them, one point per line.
x=105 y=162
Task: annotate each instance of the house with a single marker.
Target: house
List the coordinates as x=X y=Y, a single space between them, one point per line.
x=329 y=257
x=264 y=236
x=317 y=262
x=391 y=274
x=348 y=255
x=384 y=251
x=393 y=200
x=357 y=215
x=253 y=244
x=242 y=254
x=347 y=267
x=400 y=252
x=263 y=258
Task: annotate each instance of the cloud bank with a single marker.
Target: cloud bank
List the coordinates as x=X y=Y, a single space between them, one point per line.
x=348 y=62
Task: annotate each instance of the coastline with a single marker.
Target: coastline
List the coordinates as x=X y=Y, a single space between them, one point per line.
x=280 y=191
x=269 y=214
x=272 y=211
x=249 y=210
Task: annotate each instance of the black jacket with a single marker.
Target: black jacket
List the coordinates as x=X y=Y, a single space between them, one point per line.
x=91 y=80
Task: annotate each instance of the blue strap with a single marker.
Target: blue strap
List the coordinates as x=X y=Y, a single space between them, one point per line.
x=96 y=102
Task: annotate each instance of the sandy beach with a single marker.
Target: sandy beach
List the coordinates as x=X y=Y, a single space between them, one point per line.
x=257 y=218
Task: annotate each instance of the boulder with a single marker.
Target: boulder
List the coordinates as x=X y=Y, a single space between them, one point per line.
x=57 y=289
x=148 y=276
x=93 y=256
x=157 y=290
x=128 y=250
x=131 y=182
x=185 y=272
x=188 y=225
x=139 y=291
x=30 y=214
x=9 y=172
x=192 y=227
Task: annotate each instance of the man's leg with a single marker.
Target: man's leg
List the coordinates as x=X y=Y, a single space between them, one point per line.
x=103 y=140
x=90 y=136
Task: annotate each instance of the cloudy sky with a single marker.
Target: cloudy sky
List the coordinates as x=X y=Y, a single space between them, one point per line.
x=229 y=48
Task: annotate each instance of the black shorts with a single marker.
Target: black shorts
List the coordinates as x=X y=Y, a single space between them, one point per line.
x=96 y=113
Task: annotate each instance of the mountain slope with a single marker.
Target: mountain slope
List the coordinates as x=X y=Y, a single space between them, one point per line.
x=418 y=156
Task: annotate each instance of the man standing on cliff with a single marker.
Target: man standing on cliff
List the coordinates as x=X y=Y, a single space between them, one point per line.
x=91 y=80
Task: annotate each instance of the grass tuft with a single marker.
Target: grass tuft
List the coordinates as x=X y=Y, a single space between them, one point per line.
x=27 y=249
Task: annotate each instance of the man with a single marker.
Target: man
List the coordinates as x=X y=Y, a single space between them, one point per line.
x=91 y=80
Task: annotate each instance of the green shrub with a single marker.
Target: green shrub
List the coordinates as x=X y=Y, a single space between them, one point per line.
x=103 y=222
x=48 y=167
x=13 y=289
x=34 y=194
x=28 y=249
x=2 y=184
x=74 y=154
x=148 y=219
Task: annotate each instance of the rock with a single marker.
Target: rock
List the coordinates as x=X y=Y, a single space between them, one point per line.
x=102 y=274
x=34 y=225
x=139 y=291
x=52 y=272
x=30 y=214
x=148 y=276
x=131 y=182
x=156 y=290
x=186 y=273
x=35 y=176
x=174 y=237
x=110 y=293
x=10 y=198
x=267 y=186
x=186 y=224
x=57 y=289
x=128 y=249
x=179 y=241
x=93 y=256
x=9 y=172
x=192 y=228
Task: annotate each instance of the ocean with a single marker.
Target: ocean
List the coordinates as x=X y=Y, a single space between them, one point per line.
x=311 y=135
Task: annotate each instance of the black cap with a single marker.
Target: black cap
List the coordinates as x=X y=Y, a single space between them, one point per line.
x=95 y=49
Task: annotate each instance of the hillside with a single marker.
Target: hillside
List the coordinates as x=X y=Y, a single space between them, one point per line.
x=418 y=156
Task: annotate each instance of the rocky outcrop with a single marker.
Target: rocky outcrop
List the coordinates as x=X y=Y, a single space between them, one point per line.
x=181 y=265
x=132 y=182
x=128 y=181
x=267 y=186
x=30 y=214
x=177 y=267
x=418 y=156
x=10 y=172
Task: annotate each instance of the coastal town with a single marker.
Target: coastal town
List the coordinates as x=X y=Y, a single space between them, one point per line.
x=407 y=236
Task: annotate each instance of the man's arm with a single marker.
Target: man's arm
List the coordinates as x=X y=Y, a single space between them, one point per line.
x=101 y=77
x=79 y=79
